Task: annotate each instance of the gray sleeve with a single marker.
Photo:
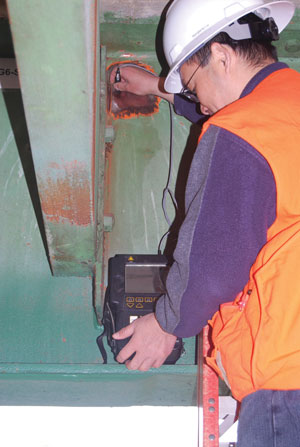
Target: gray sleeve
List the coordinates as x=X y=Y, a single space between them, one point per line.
x=168 y=306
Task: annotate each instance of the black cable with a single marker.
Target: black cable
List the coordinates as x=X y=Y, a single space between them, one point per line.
x=167 y=189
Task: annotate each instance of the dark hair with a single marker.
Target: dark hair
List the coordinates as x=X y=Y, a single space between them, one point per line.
x=253 y=51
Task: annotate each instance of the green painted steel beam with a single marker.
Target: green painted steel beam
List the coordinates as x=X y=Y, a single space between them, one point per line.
x=111 y=387
x=48 y=329
x=57 y=49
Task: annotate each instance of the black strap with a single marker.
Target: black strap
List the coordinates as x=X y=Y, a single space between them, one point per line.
x=260 y=29
x=101 y=346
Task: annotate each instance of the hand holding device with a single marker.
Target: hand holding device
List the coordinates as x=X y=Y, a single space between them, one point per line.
x=133 y=78
x=135 y=282
x=149 y=342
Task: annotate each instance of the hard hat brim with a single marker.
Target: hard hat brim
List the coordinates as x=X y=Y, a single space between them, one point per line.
x=173 y=82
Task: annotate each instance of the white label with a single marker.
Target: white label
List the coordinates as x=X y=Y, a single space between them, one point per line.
x=9 y=76
x=132 y=318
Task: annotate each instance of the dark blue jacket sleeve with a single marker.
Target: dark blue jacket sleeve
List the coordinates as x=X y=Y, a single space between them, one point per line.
x=231 y=209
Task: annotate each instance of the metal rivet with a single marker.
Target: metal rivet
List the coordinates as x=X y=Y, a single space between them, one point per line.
x=211 y=401
x=211 y=409
x=211 y=437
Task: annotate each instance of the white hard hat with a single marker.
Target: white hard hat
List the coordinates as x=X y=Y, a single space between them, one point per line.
x=191 y=23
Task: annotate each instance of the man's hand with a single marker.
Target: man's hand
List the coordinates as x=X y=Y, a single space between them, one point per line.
x=140 y=82
x=150 y=343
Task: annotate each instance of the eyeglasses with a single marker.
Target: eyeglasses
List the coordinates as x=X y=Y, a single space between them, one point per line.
x=191 y=95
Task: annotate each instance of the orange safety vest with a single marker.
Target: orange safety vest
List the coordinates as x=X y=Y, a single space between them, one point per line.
x=257 y=337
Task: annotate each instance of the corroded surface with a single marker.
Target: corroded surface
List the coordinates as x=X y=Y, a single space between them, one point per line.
x=126 y=104
x=60 y=96
x=67 y=196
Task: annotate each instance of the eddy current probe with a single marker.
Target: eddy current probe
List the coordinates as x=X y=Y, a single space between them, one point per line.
x=118 y=75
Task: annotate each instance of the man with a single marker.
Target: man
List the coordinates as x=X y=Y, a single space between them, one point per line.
x=239 y=245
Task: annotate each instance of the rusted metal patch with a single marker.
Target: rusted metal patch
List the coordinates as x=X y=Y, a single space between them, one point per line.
x=128 y=105
x=65 y=194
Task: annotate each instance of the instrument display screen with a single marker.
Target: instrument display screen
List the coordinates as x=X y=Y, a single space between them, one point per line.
x=145 y=278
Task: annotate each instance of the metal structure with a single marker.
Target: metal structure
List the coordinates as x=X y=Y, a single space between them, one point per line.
x=208 y=396
x=79 y=186
x=57 y=52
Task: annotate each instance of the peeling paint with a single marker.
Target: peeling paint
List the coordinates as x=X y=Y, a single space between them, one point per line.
x=66 y=196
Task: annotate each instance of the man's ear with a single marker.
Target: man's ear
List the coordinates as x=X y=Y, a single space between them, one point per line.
x=223 y=56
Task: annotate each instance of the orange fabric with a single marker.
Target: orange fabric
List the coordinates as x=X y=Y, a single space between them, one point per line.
x=258 y=336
